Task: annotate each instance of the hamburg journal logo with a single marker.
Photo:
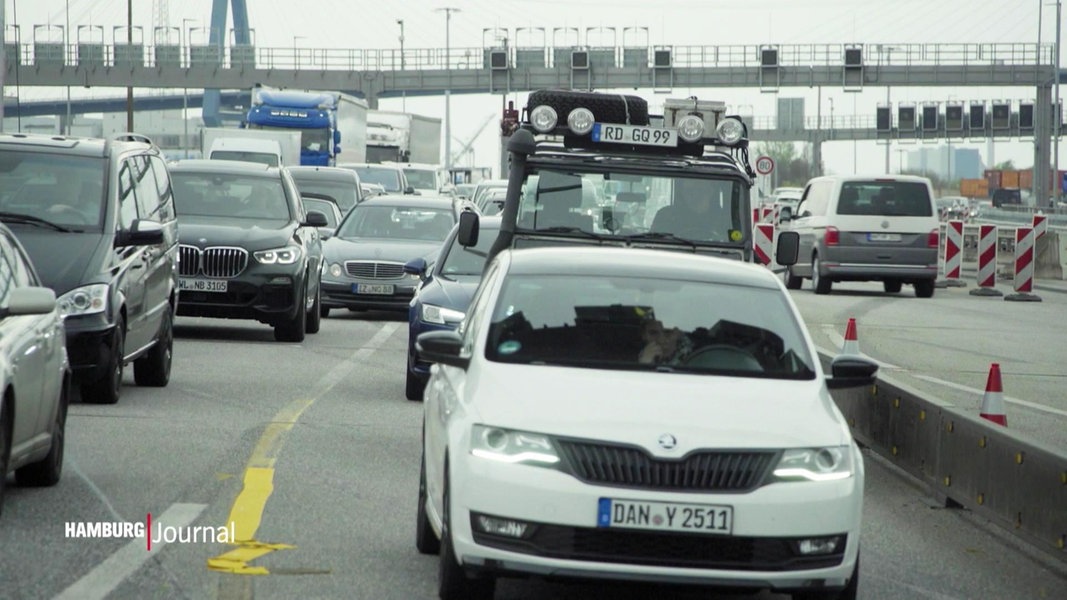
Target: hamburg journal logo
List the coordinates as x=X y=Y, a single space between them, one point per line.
x=153 y=533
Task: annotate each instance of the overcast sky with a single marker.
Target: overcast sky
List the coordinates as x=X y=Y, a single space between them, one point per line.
x=365 y=24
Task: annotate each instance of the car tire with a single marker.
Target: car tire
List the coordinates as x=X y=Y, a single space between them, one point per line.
x=892 y=286
x=850 y=591
x=153 y=369
x=314 y=317
x=294 y=329
x=46 y=472
x=452 y=580
x=792 y=282
x=108 y=388
x=425 y=539
x=414 y=386
x=6 y=427
x=606 y=108
x=821 y=284
x=924 y=288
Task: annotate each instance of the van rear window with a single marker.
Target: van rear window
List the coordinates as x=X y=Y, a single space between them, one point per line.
x=885 y=198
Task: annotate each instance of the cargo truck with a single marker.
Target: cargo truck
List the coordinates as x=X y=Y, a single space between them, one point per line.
x=333 y=124
x=403 y=137
x=272 y=148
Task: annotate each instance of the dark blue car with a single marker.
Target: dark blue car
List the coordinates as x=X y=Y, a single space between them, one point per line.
x=441 y=299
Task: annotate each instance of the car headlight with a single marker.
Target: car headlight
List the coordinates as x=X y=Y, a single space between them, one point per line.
x=441 y=315
x=85 y=300
x=279 y=256
x=544 y=118
x=691 y=128
x=814 y=464
x=509 y=446
x=730 y=131
x=336 y=270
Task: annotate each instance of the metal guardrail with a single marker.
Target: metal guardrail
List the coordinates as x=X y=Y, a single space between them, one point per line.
x=965 y=461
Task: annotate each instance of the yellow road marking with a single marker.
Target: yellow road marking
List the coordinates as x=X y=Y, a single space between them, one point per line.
x=246 y=512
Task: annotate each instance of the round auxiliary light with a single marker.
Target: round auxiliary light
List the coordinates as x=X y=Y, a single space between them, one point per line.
x=691 y=128
x=543 y=118
x=730 y=131
x=580 y=121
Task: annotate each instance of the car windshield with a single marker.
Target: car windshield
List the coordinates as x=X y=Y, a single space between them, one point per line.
x=323 y=206
x=423 y=179
x=397 y=222
x=344 y=193
x=885 y=198
x=222 y=195
x=385 y=177
x=625 y=204
x=648 y=323
x=67 y=191
x=469 y=260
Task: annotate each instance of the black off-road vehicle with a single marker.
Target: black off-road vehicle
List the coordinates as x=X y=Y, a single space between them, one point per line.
x=595 y=168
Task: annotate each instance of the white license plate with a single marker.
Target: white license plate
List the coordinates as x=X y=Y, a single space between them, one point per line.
x=381 y=289
x=883 y=237
x=665 y=516
x=188 y=284
x=634 y=134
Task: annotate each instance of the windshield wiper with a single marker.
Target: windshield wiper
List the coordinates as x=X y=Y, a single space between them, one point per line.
x=659 y=235
x=10 y=217
x=566 y=229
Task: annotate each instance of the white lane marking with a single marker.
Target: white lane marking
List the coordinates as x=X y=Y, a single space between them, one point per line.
x=980 y=393
x=108 y=575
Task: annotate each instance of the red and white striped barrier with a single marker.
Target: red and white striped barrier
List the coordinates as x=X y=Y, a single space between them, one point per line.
x=763 y=234
x=953 y=249
x=1024 y=265
x=1040 y=224
x=987 y=262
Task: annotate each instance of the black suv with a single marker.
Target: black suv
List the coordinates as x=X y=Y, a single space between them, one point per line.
x=1004 y=196
x=248 y=249
x=97 y=218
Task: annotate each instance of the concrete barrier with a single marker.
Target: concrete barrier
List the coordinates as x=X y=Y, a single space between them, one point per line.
x=963 y=460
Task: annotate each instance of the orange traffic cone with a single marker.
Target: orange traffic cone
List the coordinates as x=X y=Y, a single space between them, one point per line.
x=993 y=400
x=851 y=345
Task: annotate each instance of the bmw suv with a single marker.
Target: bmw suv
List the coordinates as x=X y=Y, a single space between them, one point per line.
x=97 y=219
x=248 y=249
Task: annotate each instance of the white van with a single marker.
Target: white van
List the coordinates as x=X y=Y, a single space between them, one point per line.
x=866 y=228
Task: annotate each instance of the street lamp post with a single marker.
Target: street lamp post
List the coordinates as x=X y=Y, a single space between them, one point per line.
x=448 y=88
x=185 y=91
x=403 y=92
x=1058 y=113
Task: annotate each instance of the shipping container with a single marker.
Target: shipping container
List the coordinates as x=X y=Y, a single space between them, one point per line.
x=993 y=177
x=1009 y=179
x=1026 y=179
x=974 y=188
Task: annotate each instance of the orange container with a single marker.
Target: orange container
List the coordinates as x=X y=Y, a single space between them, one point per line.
x=993 y=177
x=1026 y=179
x=1009 y=179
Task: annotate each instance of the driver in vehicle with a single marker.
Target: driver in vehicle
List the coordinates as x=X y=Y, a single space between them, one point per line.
x=661 y=345
x=696 y=213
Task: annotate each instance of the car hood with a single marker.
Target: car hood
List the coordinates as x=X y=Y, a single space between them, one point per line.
x=250 y=234
x=629 y=407
x=65 y=261
x=337 y=249
x=452 y=293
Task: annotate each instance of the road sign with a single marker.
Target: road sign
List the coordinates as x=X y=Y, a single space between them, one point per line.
x=764 y=165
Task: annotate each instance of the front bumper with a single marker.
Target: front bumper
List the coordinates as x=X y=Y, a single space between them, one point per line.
x=89 y=348
x=261 y=295
x=566 y=542
x=342 y=294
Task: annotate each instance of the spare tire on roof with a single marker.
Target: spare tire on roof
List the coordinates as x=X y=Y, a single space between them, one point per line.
x=606 y=108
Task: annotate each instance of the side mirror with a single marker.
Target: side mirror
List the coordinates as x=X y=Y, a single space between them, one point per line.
x=441 y=347
x=142 y=232
x=850 y=370
x=468 y=229
x=30 y=301
x=416 y=266
x=409 y=190
x=785 y=214
x=336 y=138
x=316 y=219
x=787 y=250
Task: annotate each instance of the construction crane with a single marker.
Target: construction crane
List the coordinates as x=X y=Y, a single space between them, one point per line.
x=466 y=146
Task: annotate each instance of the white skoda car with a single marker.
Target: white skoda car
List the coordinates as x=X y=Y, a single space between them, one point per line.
x=608 y=413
